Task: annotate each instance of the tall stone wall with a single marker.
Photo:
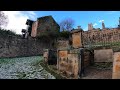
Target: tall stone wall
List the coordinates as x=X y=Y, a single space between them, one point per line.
x=12 y=46
x=44 y=24
x=104 y=35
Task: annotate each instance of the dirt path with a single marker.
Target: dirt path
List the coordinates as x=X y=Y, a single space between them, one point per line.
x=95 y=73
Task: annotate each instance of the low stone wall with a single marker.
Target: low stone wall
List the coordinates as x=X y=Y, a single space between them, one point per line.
x=103 y=55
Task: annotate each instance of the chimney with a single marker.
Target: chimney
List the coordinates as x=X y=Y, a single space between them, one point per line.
x=90 y=26
x=103 y=25
x=79 y=27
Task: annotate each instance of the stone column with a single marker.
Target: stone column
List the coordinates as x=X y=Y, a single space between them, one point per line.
x=103 y=25
x=77 y=39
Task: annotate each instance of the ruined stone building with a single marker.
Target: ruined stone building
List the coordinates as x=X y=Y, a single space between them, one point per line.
x=42 y=24
x=96 y=35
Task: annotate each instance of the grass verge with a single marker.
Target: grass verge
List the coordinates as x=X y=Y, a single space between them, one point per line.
x=50 y=70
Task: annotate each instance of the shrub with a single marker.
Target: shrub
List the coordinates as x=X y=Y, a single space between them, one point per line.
x=5 y=32
x=48 y=35
x=64 y=34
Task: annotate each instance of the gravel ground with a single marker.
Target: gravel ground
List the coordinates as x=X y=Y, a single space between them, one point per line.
x=95 y=73
x=23 y=68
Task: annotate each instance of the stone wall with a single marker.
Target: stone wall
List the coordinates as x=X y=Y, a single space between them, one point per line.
x=44 y=24
x=63 y=44
x=50 y=56
x=116 y=66
x=104 y=35
x=68 y=63
x=103 y=55
x=13 y=46
x=76 y=39
x=71 y=62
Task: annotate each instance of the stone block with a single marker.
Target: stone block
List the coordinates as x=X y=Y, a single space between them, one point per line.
x=116 y=66
x=76 y=40
x=103 y=55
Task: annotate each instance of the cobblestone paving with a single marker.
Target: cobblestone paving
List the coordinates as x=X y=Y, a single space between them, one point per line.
x=23 y=68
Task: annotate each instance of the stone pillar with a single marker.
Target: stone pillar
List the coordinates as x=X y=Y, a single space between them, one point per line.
x=103 y=25
x=45 y=55
x=116 y=66
x=77 y=39
x=79 y=27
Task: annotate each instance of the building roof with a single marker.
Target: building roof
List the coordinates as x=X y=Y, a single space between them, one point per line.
x=45 y=17
x=29 y=22
x=76 y=30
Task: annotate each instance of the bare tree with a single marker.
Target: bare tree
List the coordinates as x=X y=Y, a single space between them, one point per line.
x=67 y=24
x=3 y=19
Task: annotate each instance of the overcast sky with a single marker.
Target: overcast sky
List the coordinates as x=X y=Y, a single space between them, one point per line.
x=17 y=19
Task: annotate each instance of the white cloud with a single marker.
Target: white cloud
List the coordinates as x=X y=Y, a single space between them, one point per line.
x=95 y=24
x=17 y=19
x=111 y=12
x=101 y=21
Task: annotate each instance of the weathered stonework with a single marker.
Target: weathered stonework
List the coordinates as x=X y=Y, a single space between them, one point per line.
x=62 y=44
x=12 y=46
x=116 y=66
x=76 y=38
x=104 y=35
x=103 y=55
x=68 y=63
x=34 y=29
x=44 y=24
x=50 y=56
x=45 y=55
x=72 y=63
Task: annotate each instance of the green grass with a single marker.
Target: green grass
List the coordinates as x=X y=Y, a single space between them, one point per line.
x=51 y=70
x=103 y=65
x=21 y=75
x=4 y=61
x=107 y=44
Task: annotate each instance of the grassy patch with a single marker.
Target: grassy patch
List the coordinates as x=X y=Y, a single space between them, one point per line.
x=4 y=61
x=21 y=75
x=50 y=70
x=105 y=65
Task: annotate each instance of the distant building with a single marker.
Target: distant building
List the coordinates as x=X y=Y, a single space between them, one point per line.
x=90 y=26
x=104 y=34
x=46 y=23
